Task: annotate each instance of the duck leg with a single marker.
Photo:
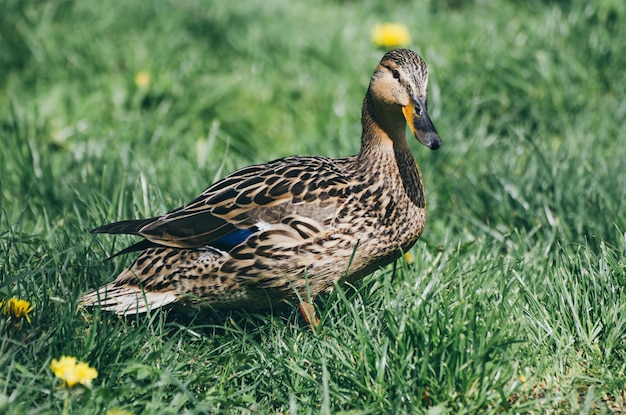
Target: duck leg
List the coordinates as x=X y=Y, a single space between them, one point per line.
x=310 y=316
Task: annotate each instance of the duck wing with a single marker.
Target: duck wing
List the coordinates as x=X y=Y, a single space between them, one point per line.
x=244 y=202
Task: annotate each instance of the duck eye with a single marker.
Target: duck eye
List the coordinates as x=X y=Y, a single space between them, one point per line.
x=395 y=74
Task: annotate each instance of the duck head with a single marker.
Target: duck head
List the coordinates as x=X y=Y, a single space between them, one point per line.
x=398 y=94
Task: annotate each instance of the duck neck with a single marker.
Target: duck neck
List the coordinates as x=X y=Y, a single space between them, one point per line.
x=384 y=149
x=382 y=127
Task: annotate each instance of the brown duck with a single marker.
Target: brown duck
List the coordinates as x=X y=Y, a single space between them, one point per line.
x=291 y=228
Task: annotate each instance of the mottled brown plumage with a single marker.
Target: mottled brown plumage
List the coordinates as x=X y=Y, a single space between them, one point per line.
x=297 y=224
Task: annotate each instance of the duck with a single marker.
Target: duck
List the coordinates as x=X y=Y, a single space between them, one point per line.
x=290 y=229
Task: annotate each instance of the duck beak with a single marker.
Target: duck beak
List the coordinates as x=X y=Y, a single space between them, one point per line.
x=419 y=122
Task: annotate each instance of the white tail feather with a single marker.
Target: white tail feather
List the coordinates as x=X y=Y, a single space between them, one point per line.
x=126 y=300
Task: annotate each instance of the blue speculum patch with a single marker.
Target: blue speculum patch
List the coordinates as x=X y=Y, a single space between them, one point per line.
x=232 y=239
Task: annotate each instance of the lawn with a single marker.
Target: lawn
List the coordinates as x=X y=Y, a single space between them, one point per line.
x=513 y=301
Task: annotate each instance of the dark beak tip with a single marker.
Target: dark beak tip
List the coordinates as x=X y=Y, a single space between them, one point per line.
x=435 y=144
x=430 y=140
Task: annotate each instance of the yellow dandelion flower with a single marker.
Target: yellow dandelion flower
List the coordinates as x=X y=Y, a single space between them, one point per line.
x=390 y=35
x=409 y=258
x=16 y=307
x=73 y=372
x=142 y=79
x=522 y=378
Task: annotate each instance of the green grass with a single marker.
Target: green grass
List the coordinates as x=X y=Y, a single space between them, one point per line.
x=516 y=301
